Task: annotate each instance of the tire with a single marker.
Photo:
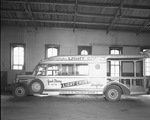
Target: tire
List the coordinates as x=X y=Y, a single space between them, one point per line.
x=113 y=93
x=19 y=91
x=36 y=87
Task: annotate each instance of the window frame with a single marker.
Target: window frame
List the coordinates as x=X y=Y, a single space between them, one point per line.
x=12 y=46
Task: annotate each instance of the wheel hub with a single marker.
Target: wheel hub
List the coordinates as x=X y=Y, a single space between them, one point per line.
x=20 y=91
x=36 y=87
x=113 y=94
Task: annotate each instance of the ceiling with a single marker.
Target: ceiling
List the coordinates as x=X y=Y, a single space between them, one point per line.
x=108 y=15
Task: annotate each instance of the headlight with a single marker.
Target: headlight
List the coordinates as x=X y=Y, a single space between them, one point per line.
x=16 y=80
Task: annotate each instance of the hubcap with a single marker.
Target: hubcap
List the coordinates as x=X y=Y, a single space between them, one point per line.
x=36 y=87
x=113 y=94
x=20 y=91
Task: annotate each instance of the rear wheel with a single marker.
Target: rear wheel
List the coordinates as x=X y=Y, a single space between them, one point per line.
x=113 y=93
x=36 y=87
x=19 y=91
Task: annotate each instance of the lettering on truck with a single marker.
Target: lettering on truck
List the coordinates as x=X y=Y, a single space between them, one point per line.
x=90 y=58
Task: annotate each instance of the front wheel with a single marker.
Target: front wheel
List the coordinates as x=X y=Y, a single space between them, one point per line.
x=113 y=93
x=19 y=91
x=36 y=87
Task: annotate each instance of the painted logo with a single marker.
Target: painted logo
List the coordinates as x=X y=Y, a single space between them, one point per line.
x=75 y=83
x=56 y=83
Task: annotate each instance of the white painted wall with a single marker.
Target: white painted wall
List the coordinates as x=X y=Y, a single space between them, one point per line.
x=68 y=40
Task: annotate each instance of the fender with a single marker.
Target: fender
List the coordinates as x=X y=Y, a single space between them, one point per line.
x=124 y=89
x=23 y=83
x=20 y=84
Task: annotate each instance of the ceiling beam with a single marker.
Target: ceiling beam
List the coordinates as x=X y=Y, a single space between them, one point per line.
x=114 y=6
x=30 y=13
x=143 y=27
x=71 y=22
x=105 y=5
x=78 y=14
x=115 y=16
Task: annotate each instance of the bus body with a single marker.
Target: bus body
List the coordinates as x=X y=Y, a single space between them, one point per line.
x=84 y=75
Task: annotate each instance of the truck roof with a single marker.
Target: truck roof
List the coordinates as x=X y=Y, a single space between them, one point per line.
x=93 y=58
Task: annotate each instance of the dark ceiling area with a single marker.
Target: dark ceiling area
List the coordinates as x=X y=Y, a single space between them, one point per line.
x=108 y=15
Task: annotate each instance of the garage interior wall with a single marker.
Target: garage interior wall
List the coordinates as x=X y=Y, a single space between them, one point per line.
x=67 y=40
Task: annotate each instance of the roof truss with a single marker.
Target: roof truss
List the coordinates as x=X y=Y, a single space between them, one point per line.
x=76 y=4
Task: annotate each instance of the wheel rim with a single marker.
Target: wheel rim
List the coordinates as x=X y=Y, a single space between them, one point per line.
x=20 y=91
x=36 y=86
x=113 y=94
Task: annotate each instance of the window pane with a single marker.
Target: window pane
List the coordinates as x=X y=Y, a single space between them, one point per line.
x=16 y=51
x=41 y=69
x=21 y=60
x=112 y=69
x=112 y=52
x=147 y=63
x=20 y=67
x=53 y=70
x=115 y=52
x=16 y=61
x=115 y=65
x=82 y=69
x=147 y=67
x=117 y=70
x=15 y=67
x=112 y=62
x=52 y=52
x=84 y=52
x=144 y=50
x=116 y=62
x=67 y=69
x=17 y=57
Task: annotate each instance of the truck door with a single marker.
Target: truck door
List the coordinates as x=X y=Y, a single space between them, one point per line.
x=98 y=72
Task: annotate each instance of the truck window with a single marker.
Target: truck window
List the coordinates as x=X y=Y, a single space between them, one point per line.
x=82 y=69
x=41 y=70
x=53 y=70
x=68 y=69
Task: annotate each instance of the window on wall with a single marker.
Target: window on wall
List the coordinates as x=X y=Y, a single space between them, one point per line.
x=115 y=50
x=115 y=65
x=144 y=49
x=51 y=50
x=17 y=56
x=84 y=50
x=147 y=61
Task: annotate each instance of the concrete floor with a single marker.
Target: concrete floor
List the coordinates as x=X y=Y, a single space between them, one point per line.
x=77 y=107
